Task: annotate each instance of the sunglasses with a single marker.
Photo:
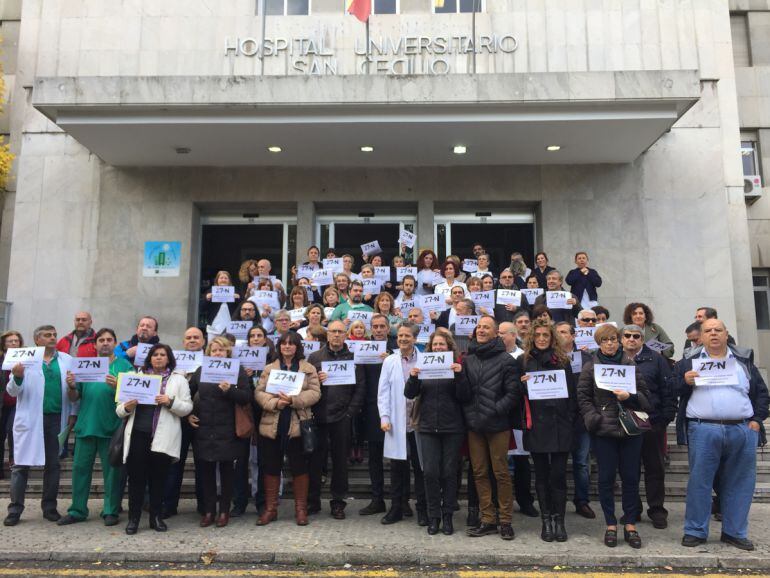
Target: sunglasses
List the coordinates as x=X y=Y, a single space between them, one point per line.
x=589 y=319
x=631 y=336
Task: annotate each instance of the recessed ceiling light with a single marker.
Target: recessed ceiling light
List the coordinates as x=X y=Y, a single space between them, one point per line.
x=367 y=149
x=182 y=150
x=553 y=148
x=274 y=149
x=459 y=149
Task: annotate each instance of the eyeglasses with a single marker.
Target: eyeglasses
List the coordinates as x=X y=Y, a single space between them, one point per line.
x=609 y=339
x=632 y=336
x=588 y=320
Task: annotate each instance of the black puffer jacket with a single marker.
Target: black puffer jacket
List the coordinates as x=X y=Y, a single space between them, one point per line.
x=657 y=377
x=553 y=420
x=440 y=409
x=338 y=401
x=215 y=438
x=488 y=381
x=599 y=407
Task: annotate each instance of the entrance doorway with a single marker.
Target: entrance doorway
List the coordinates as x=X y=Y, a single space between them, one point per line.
x=228 y=241
x=501 y=234
x=346 y=234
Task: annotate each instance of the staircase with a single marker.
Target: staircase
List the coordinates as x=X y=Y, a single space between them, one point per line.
x=676 y=477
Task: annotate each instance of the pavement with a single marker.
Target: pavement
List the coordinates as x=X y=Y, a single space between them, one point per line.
x=362 y=540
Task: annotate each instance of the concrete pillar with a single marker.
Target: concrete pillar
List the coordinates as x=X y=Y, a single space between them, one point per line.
x=305 y=228
x=425 y=214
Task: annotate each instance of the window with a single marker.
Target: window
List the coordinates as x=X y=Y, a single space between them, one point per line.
x=286 y=7
x=739 y=27
x=762 y=297
x=385 y=6
x=457 y=6
x=749 y=156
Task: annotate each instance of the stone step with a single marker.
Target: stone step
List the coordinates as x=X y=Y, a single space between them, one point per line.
x=359 y=489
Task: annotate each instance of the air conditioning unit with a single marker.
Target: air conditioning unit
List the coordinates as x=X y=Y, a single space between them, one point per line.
x=752 y=187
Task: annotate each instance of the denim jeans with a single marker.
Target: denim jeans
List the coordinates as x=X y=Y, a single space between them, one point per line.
x=581 y=471
x=731 y=450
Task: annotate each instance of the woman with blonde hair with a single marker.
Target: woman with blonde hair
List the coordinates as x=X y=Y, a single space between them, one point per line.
x=218 y=315
x=548 y=426
x=246 y=274
x=385 y=305
x=216 y=443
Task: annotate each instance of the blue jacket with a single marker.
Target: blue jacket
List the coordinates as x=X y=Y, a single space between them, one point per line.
x=757 y=390
x=579 y=283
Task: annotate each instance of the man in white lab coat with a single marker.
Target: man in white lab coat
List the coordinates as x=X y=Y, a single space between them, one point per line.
x=43 y=410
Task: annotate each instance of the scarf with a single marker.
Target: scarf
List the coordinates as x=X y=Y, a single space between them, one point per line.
x=616 y=359
x=163 y=381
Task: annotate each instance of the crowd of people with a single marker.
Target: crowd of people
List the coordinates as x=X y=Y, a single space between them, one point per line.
x=441 y=368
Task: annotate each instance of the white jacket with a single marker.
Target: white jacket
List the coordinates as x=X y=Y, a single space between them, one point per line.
x=28 y=444
x=168 y=433
x=391 y=402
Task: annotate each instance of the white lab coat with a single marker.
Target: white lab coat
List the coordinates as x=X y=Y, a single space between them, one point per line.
x=392 y=403
x=28 y=444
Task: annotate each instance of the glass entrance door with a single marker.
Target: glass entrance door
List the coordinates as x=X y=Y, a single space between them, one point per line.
x=228 y=241
x=500 y=233
x=346 y=234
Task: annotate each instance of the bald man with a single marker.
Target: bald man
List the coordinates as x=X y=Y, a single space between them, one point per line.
x=80 y=342
x=723 y=424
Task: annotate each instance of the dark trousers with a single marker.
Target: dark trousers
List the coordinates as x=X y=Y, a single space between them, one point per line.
x=51 y=473
x=400 y=478
x=615 y=455
x=241 y=485
x=173 y=484
x=522 y=480
x=145 y=466
x=273 y=452
x=551 y=482
x=7 y=413
x=376 y=469
x=440 y=455
x=654 y=469
x=335 y=437
x=209 y=478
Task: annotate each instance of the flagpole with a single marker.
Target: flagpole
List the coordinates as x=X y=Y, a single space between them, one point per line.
x=263 y=24
x=473 y=34
x=367 y=44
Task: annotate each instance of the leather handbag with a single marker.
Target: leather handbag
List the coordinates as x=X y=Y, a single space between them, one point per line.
x=308 y=433
x=633 y=422
x=244 y=421
x=115 y=449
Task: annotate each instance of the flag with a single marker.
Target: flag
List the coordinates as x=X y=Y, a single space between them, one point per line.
x=361 y=9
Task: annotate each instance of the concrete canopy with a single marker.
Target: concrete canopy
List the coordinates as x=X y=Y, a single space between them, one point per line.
x=501 y=119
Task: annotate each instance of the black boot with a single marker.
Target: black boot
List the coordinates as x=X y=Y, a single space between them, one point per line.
x=433 y=525
x=422 y=518
x=560 y=532
x=157 y=523
x=473 y=520
x=133 y=526
x=447 y=525
x=546 y=534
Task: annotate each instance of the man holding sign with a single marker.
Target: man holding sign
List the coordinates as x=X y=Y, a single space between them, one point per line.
x=562 y=305
x=354 y=302
x=723 y=425
x=491 y=375
x=146 y=332
x=43 y=410
x=338 y=406
x=96 y=423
